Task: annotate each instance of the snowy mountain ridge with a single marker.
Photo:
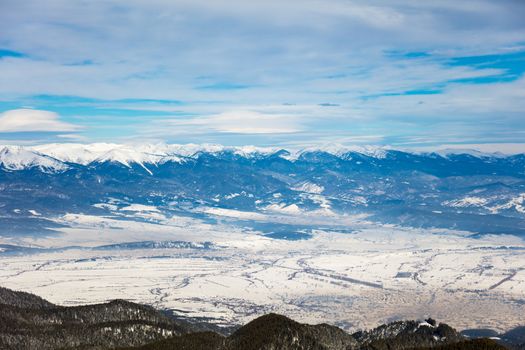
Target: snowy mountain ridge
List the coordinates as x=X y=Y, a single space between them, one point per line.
x=19 y=158
x=56 y=157
x=482 y=194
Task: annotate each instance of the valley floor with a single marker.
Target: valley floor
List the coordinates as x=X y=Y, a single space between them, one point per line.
x=356 y=280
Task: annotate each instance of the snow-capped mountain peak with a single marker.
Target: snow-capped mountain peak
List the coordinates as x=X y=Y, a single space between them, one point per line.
x=57 y=157
x=18 y=158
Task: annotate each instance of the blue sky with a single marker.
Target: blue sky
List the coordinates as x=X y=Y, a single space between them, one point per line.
x=295 y=73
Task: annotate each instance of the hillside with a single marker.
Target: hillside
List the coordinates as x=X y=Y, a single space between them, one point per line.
x=29 y=322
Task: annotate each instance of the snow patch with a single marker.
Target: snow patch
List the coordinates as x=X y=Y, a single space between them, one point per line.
x=425 y=324
x=232 y=213
x=140 y=208
x=308 y=187
x=515 y=203
x=105 y=206
x=466 y=202
x=232 y=195
x=283 y=208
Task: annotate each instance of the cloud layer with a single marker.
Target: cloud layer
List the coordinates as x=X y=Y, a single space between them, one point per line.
x=239 y=122
x=398 y=71
x=31 y=120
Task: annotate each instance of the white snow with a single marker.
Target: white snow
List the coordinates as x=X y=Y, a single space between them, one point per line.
x=322 y=201
x=232 y=213
x=140 y=208
x=308 y=187
x=516 y=203
x=283 y=208
x=19 y=158
x=74 y=152
x=425 y=324
x=232 y=195
x=466 y=202
x=378 y=152
x=55 y=156
x=471 y=152
x=141 y=154
x=339 y=150
x=334 y=278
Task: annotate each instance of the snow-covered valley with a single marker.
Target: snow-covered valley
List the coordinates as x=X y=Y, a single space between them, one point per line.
x=356 y=280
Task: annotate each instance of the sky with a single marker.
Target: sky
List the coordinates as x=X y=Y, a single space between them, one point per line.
x=268 y=73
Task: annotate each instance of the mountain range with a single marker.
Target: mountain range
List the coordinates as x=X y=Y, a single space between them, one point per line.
x=447 y=189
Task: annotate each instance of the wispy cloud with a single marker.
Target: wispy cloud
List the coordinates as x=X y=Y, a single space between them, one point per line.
x=31 y=120
x=295 y=71
x=236 y=122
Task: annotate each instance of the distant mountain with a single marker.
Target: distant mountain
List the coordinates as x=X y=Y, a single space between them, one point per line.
x=57 y=157
x=471 y=191
x=29 y=322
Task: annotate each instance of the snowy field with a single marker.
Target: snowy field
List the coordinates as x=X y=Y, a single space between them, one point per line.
x=359 y=278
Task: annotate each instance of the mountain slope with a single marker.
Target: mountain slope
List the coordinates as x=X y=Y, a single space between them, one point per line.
x=275 y=331
x=408 y=334
x=458 y=191
x=22 y=299
x=28 y=322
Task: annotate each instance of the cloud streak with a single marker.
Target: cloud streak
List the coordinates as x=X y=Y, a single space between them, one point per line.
x=239 y=122
x=295 y=71
x=31 y=120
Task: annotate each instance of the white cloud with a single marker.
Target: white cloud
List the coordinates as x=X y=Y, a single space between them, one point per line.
x=287 y=57
x=273 y=44
x=23 y=120
x=244 y=122
x=73 y=137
